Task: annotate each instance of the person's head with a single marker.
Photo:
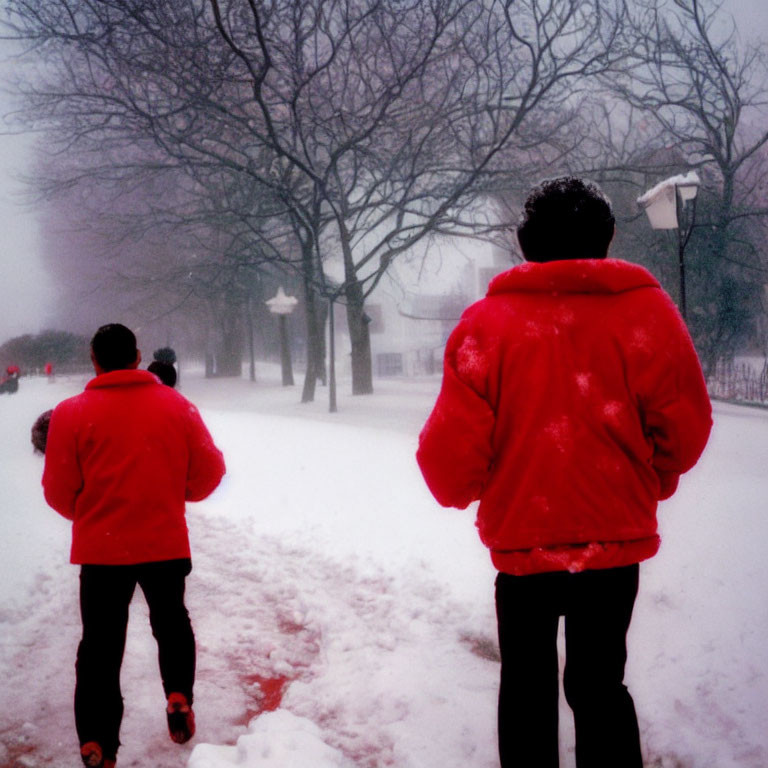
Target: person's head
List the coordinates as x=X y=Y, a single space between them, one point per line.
x=40 y=431
x=113 y=348
x=164 y=371
x=565 y=218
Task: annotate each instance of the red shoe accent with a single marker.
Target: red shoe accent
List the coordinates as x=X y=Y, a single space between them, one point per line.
x=91 y=755
x=181 y=718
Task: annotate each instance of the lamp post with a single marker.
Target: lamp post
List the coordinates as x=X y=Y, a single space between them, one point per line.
x=332 y=290
x=282 y=306
x=332 y=407
x=667 y=208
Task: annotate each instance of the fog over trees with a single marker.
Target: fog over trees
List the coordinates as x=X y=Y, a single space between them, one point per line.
x=196 y=154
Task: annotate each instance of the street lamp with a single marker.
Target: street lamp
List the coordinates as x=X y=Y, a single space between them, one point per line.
x=667 y=208
x=332 y=290
x=282 y=306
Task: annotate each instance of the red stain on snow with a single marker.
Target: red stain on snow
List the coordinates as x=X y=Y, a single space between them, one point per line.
x=288 y=626
x=271 y=689
x=21 y=750
x=269 y=697
x=266 y=689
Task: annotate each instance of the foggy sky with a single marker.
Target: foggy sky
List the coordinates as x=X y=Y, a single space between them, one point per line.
x=751 y=17
x=26 y=292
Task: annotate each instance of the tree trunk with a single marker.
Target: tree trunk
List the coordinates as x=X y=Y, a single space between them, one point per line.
x=224 y=358
x=251 y=350
x=285 y=352
x=357 y=320
x=322 y=318
x=230 y=357
x=360 y=337
x=314 y=329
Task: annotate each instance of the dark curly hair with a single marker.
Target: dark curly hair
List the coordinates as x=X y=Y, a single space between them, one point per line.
x=565 y=218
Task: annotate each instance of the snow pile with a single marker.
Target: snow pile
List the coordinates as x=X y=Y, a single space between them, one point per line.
x=274 y=740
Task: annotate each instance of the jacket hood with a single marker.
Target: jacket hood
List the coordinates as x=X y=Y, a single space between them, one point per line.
x=121 y=378
x=573 y=276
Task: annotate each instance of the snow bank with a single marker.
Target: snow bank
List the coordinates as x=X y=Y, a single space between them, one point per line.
x=274 y=740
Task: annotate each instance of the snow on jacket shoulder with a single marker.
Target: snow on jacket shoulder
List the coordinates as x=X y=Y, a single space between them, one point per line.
x=121 y=459
x=572 y=400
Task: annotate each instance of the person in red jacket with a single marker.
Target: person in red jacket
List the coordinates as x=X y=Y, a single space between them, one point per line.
x=572 y=400
x=120 y=462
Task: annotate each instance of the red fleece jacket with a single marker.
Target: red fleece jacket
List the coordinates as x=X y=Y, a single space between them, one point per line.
x=121 y=459
x=572 y=400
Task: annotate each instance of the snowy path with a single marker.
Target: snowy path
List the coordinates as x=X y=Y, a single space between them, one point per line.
x=328 y=583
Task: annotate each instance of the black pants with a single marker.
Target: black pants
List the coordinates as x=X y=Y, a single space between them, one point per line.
x=105 y=594
x=597 y=606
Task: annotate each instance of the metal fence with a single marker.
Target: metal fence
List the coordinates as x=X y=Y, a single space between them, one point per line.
x=740 y=381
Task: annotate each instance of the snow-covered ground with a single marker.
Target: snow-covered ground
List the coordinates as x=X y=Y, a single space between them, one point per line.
x=344 y=619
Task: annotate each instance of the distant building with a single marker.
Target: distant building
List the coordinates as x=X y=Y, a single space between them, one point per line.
x=410 y=319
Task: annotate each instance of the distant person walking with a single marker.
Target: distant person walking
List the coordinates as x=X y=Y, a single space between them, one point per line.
x=10 y=382
x=164 y=371
x=162 y=365
x=572 y=400
x=120 y=461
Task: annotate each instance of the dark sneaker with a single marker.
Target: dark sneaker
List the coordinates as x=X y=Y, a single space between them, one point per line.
x=181 y=718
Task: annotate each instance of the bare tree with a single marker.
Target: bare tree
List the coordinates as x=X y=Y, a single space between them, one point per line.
x=395 y=111
x=373 y=123
x=129 y=92
x=708 y=95
x=165 y=243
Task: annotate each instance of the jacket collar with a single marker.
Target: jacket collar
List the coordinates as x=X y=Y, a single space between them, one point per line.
x=122 y=378
x=573 y=276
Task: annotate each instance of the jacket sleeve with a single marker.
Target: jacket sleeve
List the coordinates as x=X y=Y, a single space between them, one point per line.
x=206 y=461
x=455 y=453
x=677 y=413
x=62 y=476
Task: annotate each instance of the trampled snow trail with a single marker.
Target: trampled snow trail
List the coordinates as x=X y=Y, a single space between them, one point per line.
x=329 y=587
x=270 y=618
x=359 y=649
x=353 y=648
